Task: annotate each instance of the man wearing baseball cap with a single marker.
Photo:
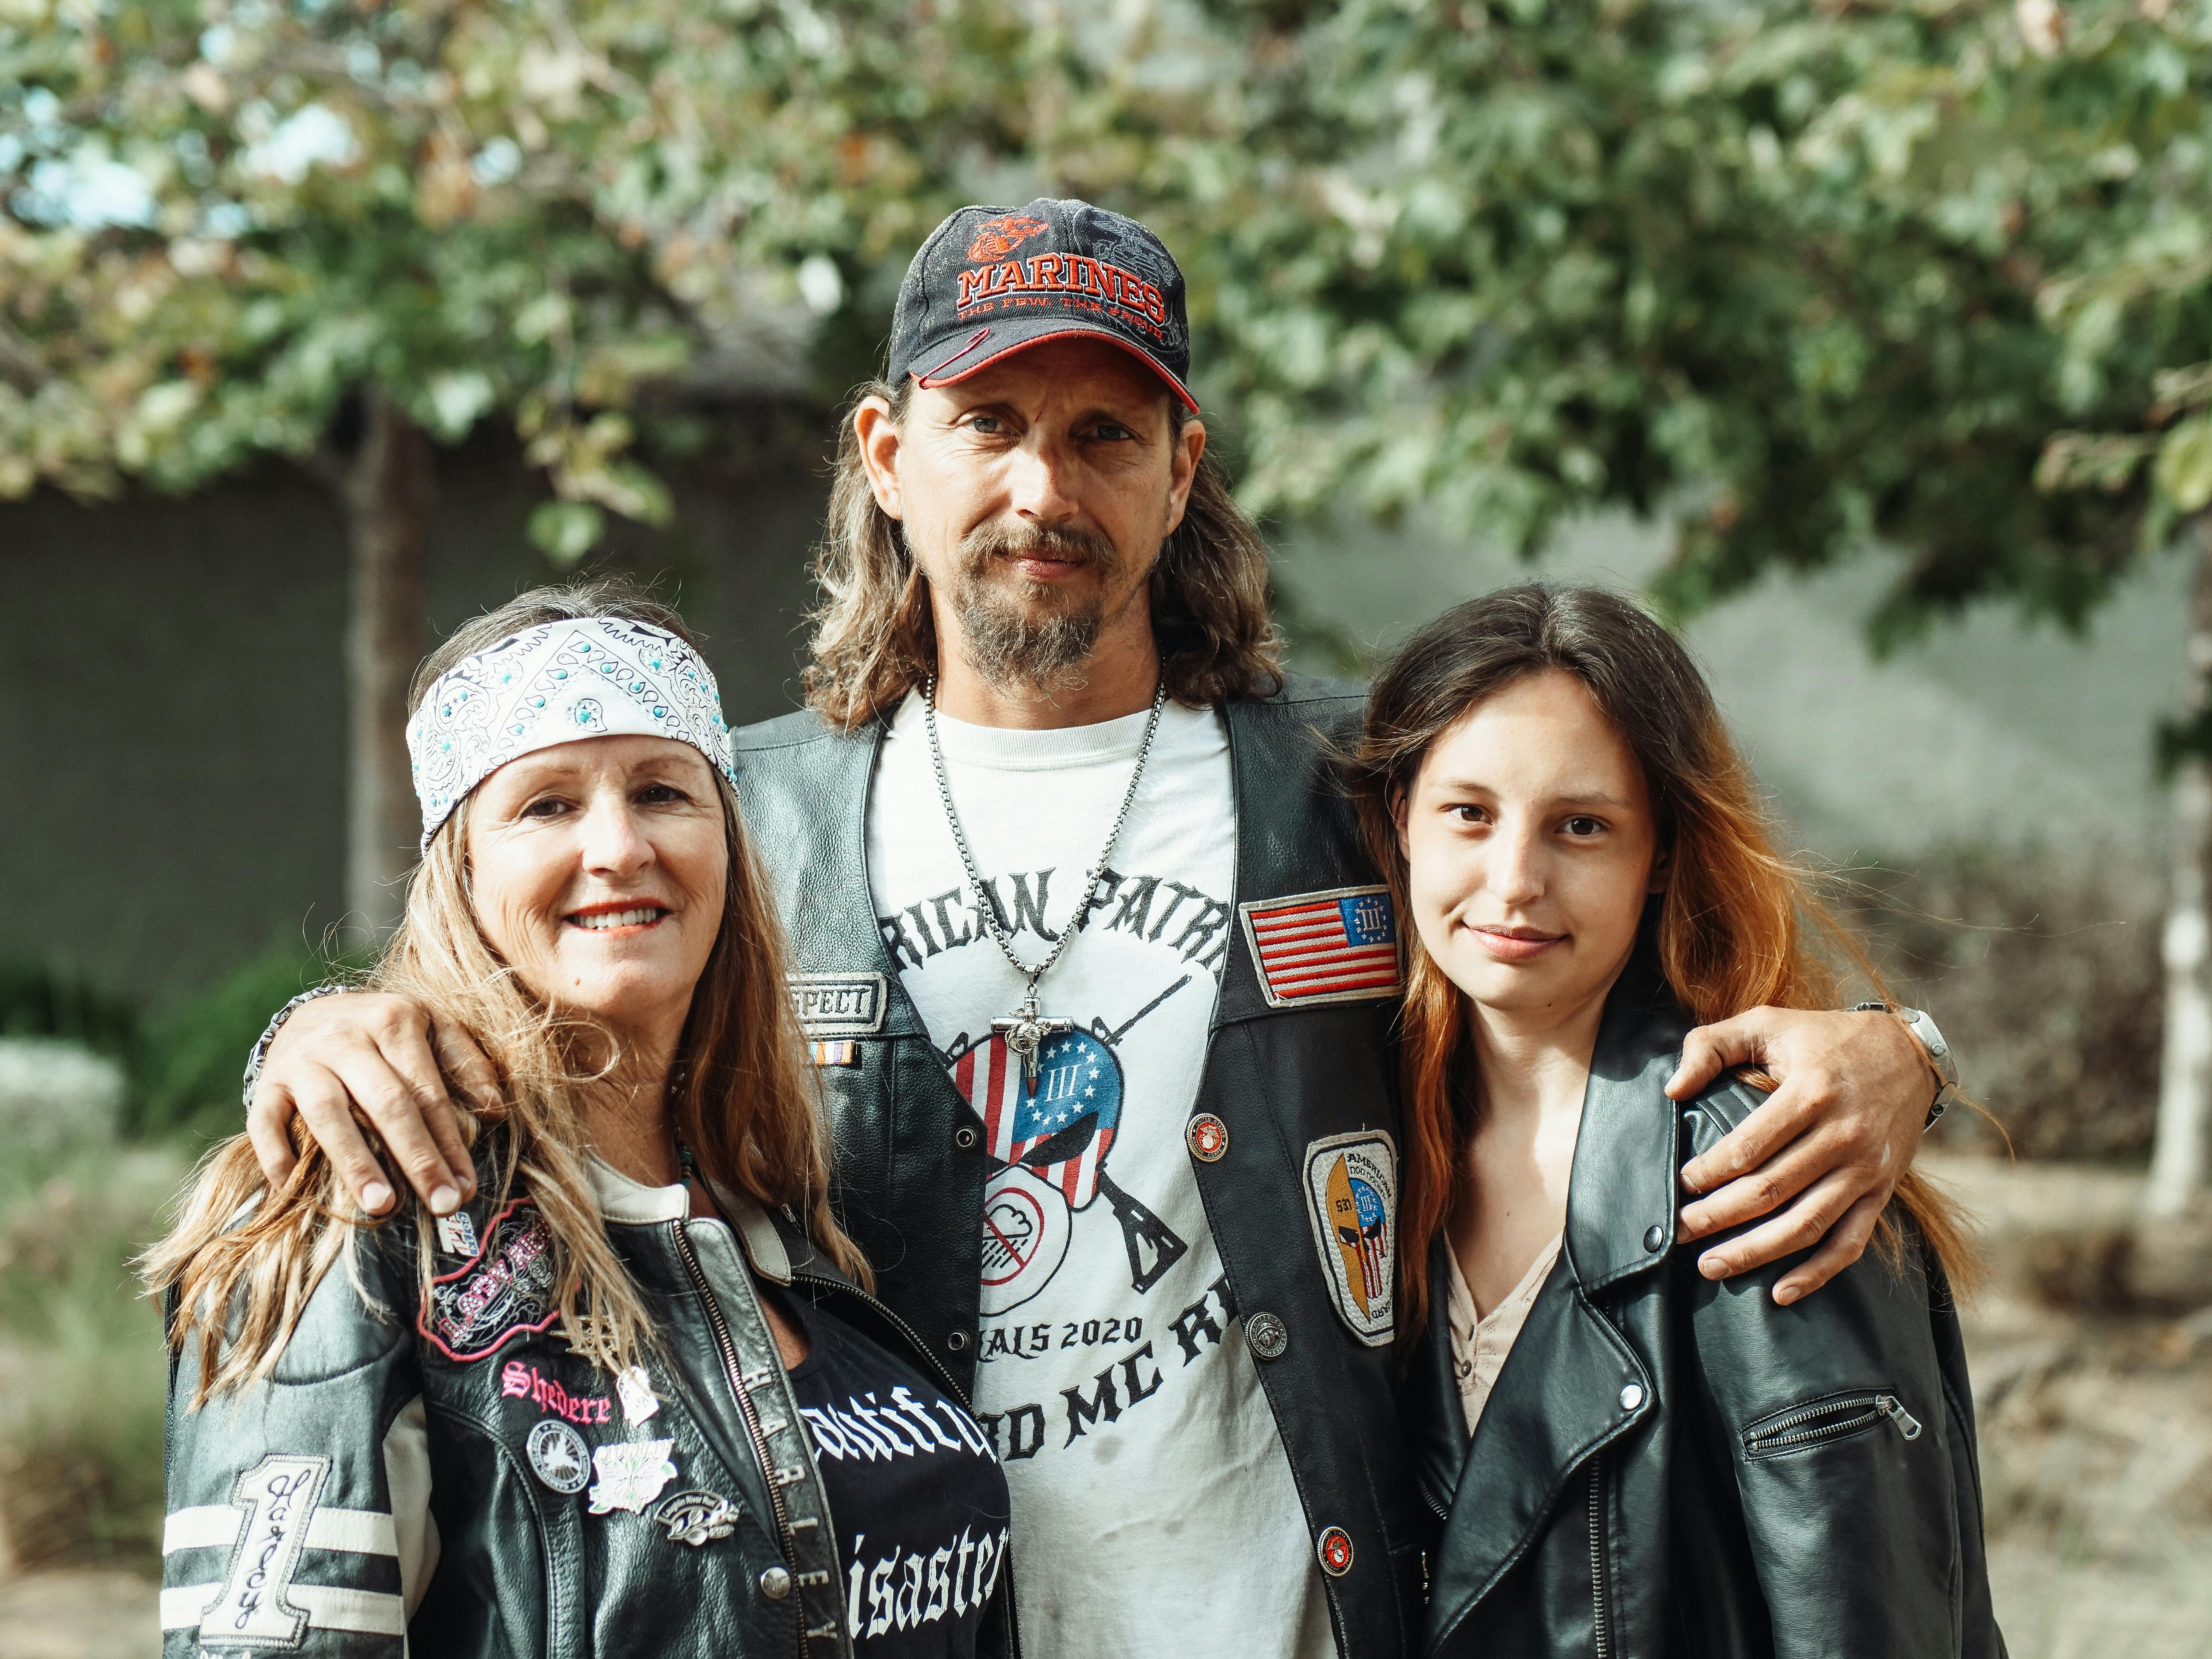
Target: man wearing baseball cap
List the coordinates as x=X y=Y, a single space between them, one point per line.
x=1101 y=987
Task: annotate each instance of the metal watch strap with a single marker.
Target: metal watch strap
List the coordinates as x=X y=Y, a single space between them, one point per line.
x=1922 y=1028
x=275 y=1024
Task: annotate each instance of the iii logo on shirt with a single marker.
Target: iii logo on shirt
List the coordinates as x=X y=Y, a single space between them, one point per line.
x=1052 y=1139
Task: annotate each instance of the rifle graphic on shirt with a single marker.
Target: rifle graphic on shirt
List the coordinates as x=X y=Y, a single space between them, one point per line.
x=1047 y=1127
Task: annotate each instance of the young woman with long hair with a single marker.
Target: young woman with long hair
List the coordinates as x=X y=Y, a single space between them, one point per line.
x=1629 y=1459
x=610 y=1406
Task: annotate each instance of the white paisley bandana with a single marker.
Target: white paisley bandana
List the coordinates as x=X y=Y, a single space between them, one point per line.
x=596 y=676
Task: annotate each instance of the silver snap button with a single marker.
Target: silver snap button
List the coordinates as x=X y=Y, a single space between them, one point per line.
x=1654 y=1239
x=957 y=1342
x=775 y=1583
x=964 y=1137
x=1632 y=1397
x=1267 y=1335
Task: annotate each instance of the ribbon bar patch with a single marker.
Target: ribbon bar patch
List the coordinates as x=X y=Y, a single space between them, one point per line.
x=839 y=1005
x=1340 y=945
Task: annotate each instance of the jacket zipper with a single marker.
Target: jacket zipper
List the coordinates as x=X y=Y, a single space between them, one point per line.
x=1827 y=1419
x=769 y=1472
x=1600 y=1625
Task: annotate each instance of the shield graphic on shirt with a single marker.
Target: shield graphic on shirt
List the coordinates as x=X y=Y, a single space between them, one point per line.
x=1061 y=1130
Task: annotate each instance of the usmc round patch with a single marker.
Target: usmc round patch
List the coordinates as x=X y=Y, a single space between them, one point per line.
x=559 y=1457
x=1334 y=1548
x=1208 y=1137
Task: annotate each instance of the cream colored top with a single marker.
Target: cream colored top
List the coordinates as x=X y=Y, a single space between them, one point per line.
x=1479 y=1345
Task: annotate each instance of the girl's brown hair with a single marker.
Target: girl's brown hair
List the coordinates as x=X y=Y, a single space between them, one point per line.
x=874 y=639
x=741 y=1094
x=1737 y=926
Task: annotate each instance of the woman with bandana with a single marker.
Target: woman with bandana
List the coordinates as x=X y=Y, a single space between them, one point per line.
x=635 y=1397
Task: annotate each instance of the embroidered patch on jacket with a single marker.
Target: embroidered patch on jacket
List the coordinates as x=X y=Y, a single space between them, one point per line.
x=504 y=1290
x=1352 y=1197
x=519 y=1382
x=839 y=1005
x=1340 y=945
x=280 y=1495
x=631 y=1474
x=844 y=1052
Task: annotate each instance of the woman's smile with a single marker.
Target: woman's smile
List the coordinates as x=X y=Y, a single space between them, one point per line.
x=624 y=917
x=1514 y=944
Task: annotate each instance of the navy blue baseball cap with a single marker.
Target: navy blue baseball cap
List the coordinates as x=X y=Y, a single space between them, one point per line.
x=993 y=280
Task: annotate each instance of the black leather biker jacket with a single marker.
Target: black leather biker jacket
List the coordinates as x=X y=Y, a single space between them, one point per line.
x=572 y=1515
x=1669 y=1467
x=1285 y=1080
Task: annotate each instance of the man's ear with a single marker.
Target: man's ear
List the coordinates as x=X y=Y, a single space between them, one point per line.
x=1188 y=446
x=879 y=437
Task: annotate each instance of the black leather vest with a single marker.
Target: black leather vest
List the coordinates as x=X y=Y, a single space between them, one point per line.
x=1284 y=1079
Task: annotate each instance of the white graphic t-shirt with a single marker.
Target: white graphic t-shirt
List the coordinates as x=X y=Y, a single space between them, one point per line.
x=1153 y=1507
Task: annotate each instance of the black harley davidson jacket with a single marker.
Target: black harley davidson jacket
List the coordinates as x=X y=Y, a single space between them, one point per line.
x=1288 y=1085
x=676 y=1511
x=1669 y=1467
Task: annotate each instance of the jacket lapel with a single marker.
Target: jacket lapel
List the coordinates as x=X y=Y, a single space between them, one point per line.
x=1563 y=1393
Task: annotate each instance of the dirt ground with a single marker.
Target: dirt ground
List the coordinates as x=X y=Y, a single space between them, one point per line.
x=2096 y=1431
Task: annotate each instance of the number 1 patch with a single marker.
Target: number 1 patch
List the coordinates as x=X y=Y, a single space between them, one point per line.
x=1352 y=1198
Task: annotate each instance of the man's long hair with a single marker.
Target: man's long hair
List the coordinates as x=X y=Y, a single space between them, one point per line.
x=244 y=1259
x=874 y=639
x=1738 y=925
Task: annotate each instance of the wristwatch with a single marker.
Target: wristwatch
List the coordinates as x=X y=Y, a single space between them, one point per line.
x=1924 y=1032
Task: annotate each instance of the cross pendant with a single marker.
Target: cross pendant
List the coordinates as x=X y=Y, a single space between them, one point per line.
x=1026 y=1030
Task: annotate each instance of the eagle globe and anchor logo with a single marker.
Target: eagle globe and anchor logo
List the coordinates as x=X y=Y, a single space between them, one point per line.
x=1052 y=1137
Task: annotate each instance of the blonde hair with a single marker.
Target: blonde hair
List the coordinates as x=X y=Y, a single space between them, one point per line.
x=243 y=1259
x=874 y=641
x=1737 y=925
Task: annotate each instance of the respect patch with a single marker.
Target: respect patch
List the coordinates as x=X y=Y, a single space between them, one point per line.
x=839 y=1005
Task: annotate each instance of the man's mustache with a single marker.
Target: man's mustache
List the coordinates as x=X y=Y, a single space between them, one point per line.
x=989 y=541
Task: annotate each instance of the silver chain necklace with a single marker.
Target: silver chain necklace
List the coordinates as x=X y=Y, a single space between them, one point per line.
x=1025 y=1028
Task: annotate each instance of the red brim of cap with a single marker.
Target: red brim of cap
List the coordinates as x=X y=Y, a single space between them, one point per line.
x=929 y=382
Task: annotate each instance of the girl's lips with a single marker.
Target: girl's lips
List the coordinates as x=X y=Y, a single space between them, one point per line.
x=1509 y=947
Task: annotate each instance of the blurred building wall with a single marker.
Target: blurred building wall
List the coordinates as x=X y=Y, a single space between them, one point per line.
x=172 y=674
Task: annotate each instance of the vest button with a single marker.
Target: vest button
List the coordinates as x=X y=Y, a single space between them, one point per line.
x=1632 y=1397
x=957 y=1342
x=1266 y=1336
x=964 y=1137
x=1654 y=1239
x=775 y=1583
x=1207 y=1137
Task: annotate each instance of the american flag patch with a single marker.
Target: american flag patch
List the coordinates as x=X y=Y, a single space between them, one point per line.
x=1340 y=945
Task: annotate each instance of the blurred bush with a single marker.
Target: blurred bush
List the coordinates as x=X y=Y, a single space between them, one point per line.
x=81 y=1369
x=188 y=1062
x=2042 y=966
x=101 y=1113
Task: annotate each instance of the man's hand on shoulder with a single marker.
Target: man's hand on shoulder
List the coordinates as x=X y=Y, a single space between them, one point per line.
x=1851 y=1099
x=380 y=1055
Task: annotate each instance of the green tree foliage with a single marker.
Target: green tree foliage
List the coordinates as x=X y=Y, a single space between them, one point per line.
x=1805 y=280
x=225 y=221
